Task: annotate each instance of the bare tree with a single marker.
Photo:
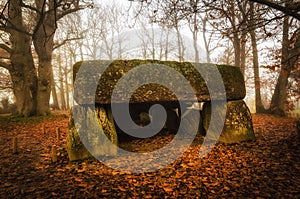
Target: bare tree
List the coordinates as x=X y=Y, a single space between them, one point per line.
x=110 y=30
x=27 y=23
x=258 y=101
x=290 y=55
x=169 y=13
x=154 y=39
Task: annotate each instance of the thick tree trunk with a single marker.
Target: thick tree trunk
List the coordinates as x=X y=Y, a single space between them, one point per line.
x=32 y=87
x=278 y=101
x=24 y=89
x=22 y=69
x=44 y=87
x=43 y=44
x=277 y=106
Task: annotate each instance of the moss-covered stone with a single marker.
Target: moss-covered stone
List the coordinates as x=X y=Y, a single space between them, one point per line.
x=238 y=122
x=113 y=71
x=75 y=148
x=90 y=142
x=95 y=81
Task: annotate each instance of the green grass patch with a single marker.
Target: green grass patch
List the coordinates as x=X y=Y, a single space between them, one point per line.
x=5 y=119
x=297 y=111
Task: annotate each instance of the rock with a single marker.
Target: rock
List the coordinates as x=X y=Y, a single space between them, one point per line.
x=193 y=121
x=75 y=148
x=101 y=77
x=238 y=123
x=105 y=119
x=95 y=82
x=91 y=141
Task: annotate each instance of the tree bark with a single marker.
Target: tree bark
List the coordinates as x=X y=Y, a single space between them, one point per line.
x=55 y=104
x=237 y=50
x=206 y=44
x=32 y=84
x=43 y=43
x=278 y=101
x=22 y=68
x=194 y=31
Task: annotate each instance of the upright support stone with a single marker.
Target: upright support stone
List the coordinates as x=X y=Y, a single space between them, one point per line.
x=238 y=122
x=93 y=127
x=107 y=122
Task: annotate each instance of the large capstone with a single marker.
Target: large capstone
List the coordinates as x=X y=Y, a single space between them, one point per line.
x=238 y=122
x=95 y=81
x=91 y=134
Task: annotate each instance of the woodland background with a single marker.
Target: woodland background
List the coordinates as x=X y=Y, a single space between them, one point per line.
x=40 y=41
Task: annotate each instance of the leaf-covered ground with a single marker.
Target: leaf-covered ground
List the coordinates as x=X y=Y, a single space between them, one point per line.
x=266 y=168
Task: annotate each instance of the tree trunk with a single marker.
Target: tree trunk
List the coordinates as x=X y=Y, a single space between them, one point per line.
x=243 y=54
x=24 y=89
x=67 y=91
x=278 y=101
x=43 y=44
x=204 y=22
x=179 y=43
x=237 y=50
x=44 y=87
x=195 y=38
x=22 y=69
x=167 y=45
x=68 y=61
x=62 y=90
x=55 y=105
x=258 y=103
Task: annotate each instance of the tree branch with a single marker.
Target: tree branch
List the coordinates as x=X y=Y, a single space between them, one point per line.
x=5 y=65
x=61 y=15
x=285 y=10
x=6 y=48
x=5 y=87
x=30 y=7
x=65 y=41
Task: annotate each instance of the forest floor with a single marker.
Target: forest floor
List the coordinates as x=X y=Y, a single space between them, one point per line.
x=268 y=167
